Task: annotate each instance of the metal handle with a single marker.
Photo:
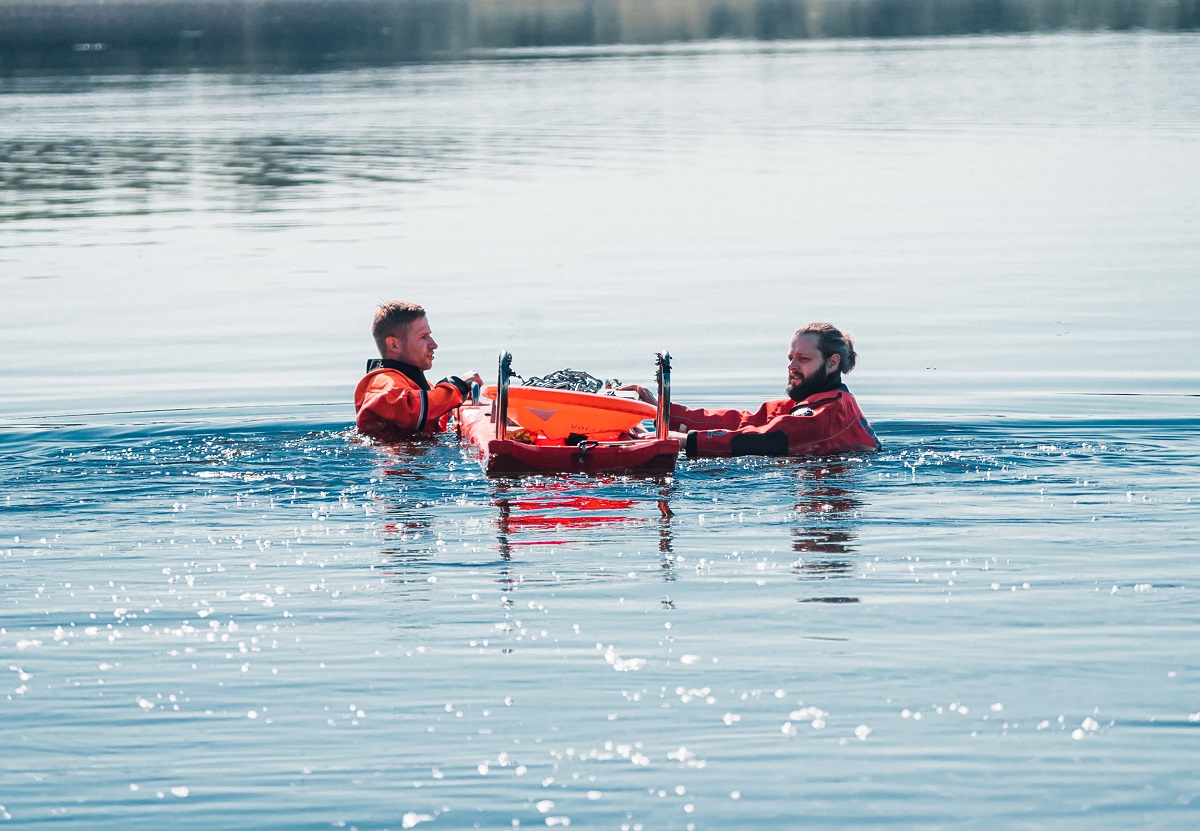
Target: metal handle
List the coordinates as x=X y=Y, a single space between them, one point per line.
x=584 y=447
x=662 y=420
x=501 y=406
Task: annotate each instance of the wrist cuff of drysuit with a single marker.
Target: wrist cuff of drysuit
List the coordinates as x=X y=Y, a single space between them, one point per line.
x=463 y=387
x=690 y=443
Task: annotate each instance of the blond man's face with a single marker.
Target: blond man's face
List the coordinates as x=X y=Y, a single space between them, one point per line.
x=415 y=345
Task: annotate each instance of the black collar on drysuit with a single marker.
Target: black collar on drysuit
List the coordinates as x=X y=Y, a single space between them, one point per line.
x=835 y=385
x=835 y=381
x=415 y=375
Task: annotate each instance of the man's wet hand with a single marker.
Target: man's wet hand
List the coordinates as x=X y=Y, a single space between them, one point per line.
x=642 y=393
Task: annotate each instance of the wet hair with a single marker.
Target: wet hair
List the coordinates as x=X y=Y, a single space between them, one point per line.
x=392 y=319
x=831 y=341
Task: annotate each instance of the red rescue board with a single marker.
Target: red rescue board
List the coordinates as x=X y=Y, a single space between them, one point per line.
x=607 y=449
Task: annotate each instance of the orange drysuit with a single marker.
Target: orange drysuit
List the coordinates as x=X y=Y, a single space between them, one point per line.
x=824 y=424
x=395 y=402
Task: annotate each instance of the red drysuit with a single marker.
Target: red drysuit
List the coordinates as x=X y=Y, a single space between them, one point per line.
x=396 y=402
x=824 y=424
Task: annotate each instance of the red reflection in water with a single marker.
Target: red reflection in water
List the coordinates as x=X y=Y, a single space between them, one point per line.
x=560 y=512
x=578 y=503
x=518 y=523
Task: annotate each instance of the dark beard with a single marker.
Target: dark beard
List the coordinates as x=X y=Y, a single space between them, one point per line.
x=818 y=382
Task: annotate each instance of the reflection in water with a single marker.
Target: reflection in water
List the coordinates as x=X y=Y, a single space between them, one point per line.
x=406 y=528
x=666 y=540
x=553 y=513
x=824 y=533
x=556 y=521
x=550 y=507
x=63 y=177
x=406 y=533
x=419 y=531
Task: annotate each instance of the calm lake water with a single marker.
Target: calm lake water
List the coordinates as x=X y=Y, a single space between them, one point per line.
x=220 y=608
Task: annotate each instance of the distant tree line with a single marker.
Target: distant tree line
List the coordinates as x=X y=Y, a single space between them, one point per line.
x=300 y=34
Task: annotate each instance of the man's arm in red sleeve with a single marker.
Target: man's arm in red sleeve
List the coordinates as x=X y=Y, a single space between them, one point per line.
x=809 y=430
x=684 y=418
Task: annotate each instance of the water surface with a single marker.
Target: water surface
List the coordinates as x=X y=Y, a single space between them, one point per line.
x=223 y=609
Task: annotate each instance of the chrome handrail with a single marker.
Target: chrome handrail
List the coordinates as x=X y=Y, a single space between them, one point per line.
x=662 y=420
x=503 y=373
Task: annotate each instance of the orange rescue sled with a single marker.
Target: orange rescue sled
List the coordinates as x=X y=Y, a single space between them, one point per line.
x=542 y=430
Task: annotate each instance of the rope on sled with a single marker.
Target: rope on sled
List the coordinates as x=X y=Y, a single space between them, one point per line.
x=570 y=379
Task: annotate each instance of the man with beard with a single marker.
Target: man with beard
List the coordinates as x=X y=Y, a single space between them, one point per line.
x=818 y=418
x=394 y=401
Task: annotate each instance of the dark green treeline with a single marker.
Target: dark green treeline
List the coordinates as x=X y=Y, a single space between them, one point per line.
x=300 y=34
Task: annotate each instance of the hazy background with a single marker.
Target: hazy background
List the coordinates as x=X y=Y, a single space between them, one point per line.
x=280 y=34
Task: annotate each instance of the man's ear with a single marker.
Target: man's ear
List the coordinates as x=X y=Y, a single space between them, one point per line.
x=391 y=343
x=834 y=363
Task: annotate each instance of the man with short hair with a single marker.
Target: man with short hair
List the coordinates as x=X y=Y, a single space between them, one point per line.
x=818 y=418
x=394 y=400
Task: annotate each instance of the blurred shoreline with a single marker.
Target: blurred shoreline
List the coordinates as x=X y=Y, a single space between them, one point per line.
x=135 y=35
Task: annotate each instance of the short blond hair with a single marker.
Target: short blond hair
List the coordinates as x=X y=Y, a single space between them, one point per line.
x=392 y=320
